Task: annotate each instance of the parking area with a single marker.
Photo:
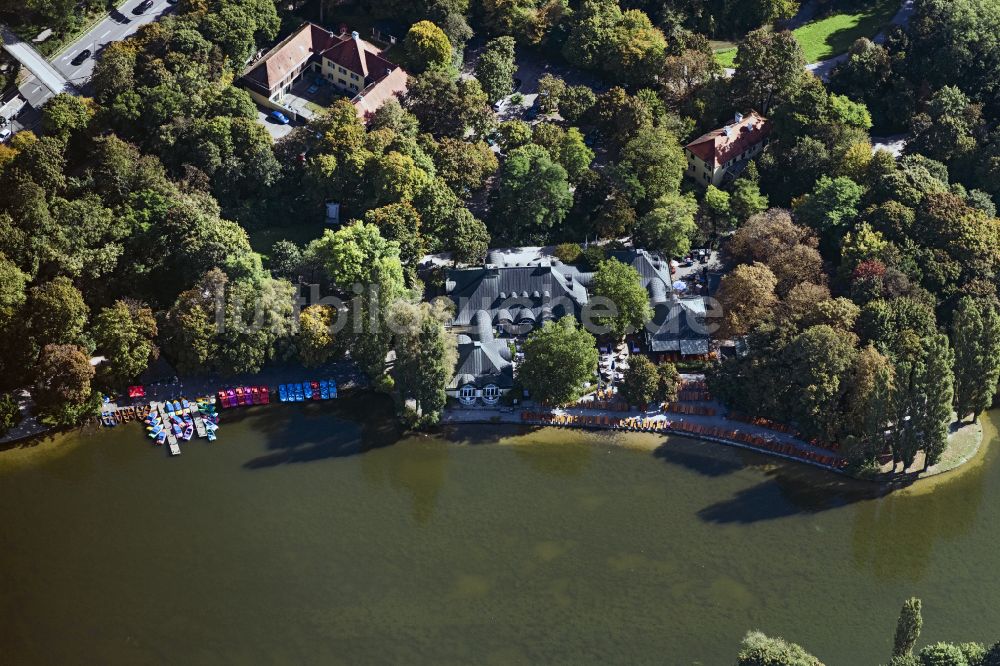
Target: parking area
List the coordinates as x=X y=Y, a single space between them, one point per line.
x=273 y=127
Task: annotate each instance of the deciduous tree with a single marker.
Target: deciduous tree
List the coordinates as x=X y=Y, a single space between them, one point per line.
x=62 y=391
x=746 y=295
x=315 y=339
x=559 y=358
x=668 y=227
x=759 y=650
x=620 y=286
x=641 y=383
x=769 y=69
x=495 y=68
x=65 y=115
x=426 y=46
x=124 y=333
x=533 y=195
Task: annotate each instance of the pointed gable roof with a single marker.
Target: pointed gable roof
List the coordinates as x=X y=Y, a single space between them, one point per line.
x=359 y=56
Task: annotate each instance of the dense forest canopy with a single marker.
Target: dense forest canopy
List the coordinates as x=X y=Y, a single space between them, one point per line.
x=862 y=286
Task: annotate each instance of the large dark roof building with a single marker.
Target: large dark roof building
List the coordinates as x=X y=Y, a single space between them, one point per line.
x=516 y=298
x=484 y=371
x=516 y=294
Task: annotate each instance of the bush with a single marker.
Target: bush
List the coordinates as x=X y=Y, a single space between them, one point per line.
x=10 y=415
x=568 y=253
x=942 y=654
x=67 y=414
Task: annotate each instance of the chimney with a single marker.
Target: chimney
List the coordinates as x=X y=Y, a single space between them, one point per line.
x=355 y=36
x=739 y=117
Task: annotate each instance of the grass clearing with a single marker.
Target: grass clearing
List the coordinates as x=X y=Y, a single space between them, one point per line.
x=832 y=35
x=726 y=57
x=261 y=240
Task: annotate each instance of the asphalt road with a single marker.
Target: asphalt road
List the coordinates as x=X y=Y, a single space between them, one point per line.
x=121 y=23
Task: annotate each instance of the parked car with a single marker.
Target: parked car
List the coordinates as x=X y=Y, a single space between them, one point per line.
x=280 y=117
x=312 y=89
x=81 y=56
x=143 y=6
x=499 y=104
x=5 y=133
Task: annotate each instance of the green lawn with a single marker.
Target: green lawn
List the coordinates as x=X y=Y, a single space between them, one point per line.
x=262 y=239
x=832 y=35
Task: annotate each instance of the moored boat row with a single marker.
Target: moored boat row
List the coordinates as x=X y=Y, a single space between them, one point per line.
x=324 y=389
x=244 y=396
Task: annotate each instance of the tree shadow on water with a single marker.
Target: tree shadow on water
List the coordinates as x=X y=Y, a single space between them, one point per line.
x=476 y=434
x=789 y=493
x=316 y=431
x=712 y=463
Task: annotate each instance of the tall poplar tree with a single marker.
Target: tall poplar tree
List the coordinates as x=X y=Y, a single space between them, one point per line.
x=907 y=628
x=925 y=391
x=425 y=357
x=976 y=336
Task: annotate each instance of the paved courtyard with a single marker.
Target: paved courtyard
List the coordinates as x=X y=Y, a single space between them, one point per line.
x=273 y=127
x=311 y=95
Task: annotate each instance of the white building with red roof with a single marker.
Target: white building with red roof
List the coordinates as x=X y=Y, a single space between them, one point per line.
x=354 y=66
x=725 y=151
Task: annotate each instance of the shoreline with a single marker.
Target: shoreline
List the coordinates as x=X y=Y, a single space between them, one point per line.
x=969 y=448
x=901 y=480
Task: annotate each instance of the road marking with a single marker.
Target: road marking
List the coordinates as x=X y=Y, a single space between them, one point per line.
x=106 y=33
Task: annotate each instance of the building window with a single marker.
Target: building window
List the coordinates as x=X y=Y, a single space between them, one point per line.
x=353 y=87
x=342 y=82
x=467 y=395
x=342 y=70
x=491 y=394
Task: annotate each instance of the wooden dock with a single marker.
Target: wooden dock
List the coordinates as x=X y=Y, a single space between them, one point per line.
x=199 y=426
x=175 y=449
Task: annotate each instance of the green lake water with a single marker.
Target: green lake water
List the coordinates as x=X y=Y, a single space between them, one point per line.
x=301 y=537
